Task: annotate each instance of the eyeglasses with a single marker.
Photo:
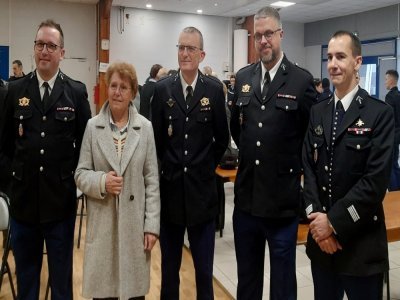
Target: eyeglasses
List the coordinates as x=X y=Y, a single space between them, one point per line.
x=267 y=35
x=39 y=45
x=122 y=88
x=189 y=49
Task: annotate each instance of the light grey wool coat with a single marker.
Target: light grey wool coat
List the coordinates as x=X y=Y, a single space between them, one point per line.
x=115 y=263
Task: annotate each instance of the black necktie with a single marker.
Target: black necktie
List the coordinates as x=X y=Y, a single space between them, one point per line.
x=267 y=80
x=189 y=95
x=339 y=112
x=46 y=94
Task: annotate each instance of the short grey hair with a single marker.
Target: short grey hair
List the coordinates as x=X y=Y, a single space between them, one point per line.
x=268 y=12
x=192 y=29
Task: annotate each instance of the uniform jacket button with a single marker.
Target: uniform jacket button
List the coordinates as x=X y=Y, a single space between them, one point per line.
x=131 y=197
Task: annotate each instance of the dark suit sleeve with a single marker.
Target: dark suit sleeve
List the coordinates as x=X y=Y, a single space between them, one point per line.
x=367 y=194
x=158 y=122
x=83 y=114
x=310 y=194
x=220 y=124
x=235 y=122
x=309 y=99
x=7 y=143
x=390 y=99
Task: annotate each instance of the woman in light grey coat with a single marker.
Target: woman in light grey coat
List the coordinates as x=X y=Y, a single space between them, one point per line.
x=118 y=173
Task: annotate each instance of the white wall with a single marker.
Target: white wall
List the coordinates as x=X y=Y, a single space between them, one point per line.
x=150 y=37
x=293 y=42
x=313 y=60
x=19 y=20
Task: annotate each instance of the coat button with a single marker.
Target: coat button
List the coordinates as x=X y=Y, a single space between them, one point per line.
x=257 y=162
x=262 y=107
x=315 y=145
x=358 y=147
x=42 y=134
x=375 y=218
x=21 y=117
x=44 y=118
x=41 y=151
x=131 y=197
x=185 y=169
x=323 y=208
x=65 y=119
x=286 y=107
x=186 y=152
x=258 y=144
x=291 y=171
x=260 y=124
x=13 y=173
x=187 y=119
x=186 y=136
x=324 y=189
x=41 y=169
x=326 y=168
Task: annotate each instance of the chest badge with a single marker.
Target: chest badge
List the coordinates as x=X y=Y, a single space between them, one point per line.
x=319 y=130
x=360 y=123
x=246 y=88
x=23 y=101
x=205 y=101
x=170 y=102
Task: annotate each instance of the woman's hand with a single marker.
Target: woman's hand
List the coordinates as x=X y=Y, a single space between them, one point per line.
x=113 y=183
x=150 y=240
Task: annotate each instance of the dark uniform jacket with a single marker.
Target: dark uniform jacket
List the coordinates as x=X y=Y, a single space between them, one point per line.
x=350 y=187
x=326 y=94
x=269 y=134
x=146 y=96
x=190 y=143
x=393 y=99
x=41 y=147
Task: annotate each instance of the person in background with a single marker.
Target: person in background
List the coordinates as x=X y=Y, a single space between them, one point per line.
x=17 y=70
x=163 y=72
x=393 y=99
x=269 y=119
x=147 y=91
x=41 y=131
x=118 y=173
x=231 y=91
x=326 y=93
x=318 y=85
x=207 y=70
x=347 y=155
x=191 y=133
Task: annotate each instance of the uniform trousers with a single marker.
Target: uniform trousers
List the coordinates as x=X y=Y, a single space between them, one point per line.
x=251 y=234
x=202 y=242
x=27 y=242
x=329 y=285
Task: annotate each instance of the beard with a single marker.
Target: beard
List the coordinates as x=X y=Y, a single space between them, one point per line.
x=269 y=58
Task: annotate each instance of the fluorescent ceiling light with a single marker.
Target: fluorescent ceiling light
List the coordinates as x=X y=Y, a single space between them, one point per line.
x=282 y=4
x=199 y=11
x=148 y=5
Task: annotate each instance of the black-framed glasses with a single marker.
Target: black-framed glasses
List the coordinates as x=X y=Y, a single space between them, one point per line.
x=189 y=49
x=39 y=45
x=267 y=35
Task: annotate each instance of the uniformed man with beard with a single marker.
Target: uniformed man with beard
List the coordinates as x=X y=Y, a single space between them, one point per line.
x=269 y=119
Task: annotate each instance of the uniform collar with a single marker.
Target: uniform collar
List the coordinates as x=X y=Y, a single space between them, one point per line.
x=346 y=100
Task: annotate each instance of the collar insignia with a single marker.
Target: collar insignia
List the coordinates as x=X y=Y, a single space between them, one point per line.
x=359 y=99
x=24 y=102
x=283 y=66
x=246 y=88
x=205 y=101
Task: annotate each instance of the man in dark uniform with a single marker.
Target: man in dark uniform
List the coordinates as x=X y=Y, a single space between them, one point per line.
x=17 y=70
x=393 y=99
x=41 y=131
x=326 y=91
x=191 y=133
x=346 y=157
x=269 y=118
x=146 y=94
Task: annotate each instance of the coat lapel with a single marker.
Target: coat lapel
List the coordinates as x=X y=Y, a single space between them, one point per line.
x=105 y=140
x=33 y=92
x=199 y=92
x=132 y=139
x=327 y=120
x=256 y=81
x=177 y=94
x=56 y=92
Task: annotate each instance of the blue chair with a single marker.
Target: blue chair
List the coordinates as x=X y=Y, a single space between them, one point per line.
x=5 y=225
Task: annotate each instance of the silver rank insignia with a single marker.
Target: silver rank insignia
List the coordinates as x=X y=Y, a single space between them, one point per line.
x=170 y=131
x=319 y=130
x=360 y=123
x=246 y=88
x=170 y=102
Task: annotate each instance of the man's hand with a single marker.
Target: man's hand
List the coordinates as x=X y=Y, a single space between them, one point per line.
x=330 y=245
x=319 y=226
x=113 y=183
